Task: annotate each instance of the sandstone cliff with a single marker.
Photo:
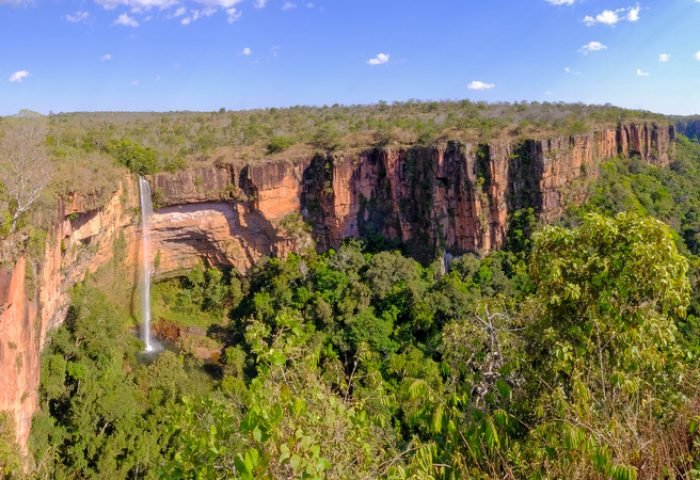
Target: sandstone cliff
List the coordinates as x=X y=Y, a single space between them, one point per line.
x=451 y=197
x=34 y=292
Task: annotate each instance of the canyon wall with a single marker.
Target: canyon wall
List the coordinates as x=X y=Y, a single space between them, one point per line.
x=34 y=289
x=451 y=197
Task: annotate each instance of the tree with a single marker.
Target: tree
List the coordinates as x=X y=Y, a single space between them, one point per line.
x=327 y=136
x=134 y=156
x=9 y=452
x=606 y=368
x=25 y=168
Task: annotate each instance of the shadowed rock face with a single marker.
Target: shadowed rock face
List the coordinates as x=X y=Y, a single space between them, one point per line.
x=453 y=196
x=223 y=234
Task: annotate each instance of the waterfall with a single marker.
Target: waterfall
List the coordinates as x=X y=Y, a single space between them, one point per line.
x=146 y=264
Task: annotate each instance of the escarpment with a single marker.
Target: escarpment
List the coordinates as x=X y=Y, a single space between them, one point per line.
x=450 y=197
x=34 y=289
x=454 y=197
x=458 y=197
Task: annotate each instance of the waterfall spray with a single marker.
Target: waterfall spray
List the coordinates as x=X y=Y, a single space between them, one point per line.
x=146 y=264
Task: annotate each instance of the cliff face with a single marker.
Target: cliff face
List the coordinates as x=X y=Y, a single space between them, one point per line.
x=34 y=294
x=689 y=126
x=451 y=197
x=454 y=197
x=19 y=350
x=226 y=215
x=459 y=197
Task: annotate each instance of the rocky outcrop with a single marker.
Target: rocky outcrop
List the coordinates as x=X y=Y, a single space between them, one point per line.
x=688 y=126
x=452 y=197
x=227 y=215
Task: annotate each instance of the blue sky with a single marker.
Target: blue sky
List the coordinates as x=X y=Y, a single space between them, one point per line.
x=66 y=55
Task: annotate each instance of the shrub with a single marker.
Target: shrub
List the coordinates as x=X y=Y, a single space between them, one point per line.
x=135 y=157
x=279 y=144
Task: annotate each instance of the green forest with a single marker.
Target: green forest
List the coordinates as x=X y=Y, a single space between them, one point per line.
x=573 y=353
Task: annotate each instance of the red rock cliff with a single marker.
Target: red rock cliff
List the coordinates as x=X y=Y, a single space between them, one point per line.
x=34 y=293
x=459 y=197
x=453 y=196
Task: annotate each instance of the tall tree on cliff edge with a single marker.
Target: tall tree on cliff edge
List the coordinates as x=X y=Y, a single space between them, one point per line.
x=25 y=168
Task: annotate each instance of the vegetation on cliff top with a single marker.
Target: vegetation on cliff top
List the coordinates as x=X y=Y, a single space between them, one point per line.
x=180 y=138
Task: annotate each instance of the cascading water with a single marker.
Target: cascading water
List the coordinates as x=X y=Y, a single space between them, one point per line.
x=146 y=263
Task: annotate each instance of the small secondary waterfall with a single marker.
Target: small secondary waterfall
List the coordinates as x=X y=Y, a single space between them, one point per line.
x=146 y=264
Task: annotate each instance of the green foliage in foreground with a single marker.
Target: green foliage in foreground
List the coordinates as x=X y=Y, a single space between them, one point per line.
x=352 y=365
x=671 y=194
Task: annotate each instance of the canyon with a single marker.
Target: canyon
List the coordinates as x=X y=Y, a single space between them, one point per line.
x=450 y=197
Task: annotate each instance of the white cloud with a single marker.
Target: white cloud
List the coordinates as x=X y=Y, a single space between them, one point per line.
x=310 y=5
x=665 y=57
x=246 y=52
x=606 y=17
x=213 y=6
x=18 y=76
x=225 y=4
x=144 y=5
x=135 y=83
x=563 y=2
x=77 y=17
x=613 y=17
x=106 y=57
x=197 y=14
x=136 y=5
x=187 y=12
x=289 y=6
x=479 y=85
x=592 y=47
x=642 y=73
x=697 y=54
x=260 y=3
x=232 y=14
x=125 y=20
x=379 y=59
x=633 y=14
